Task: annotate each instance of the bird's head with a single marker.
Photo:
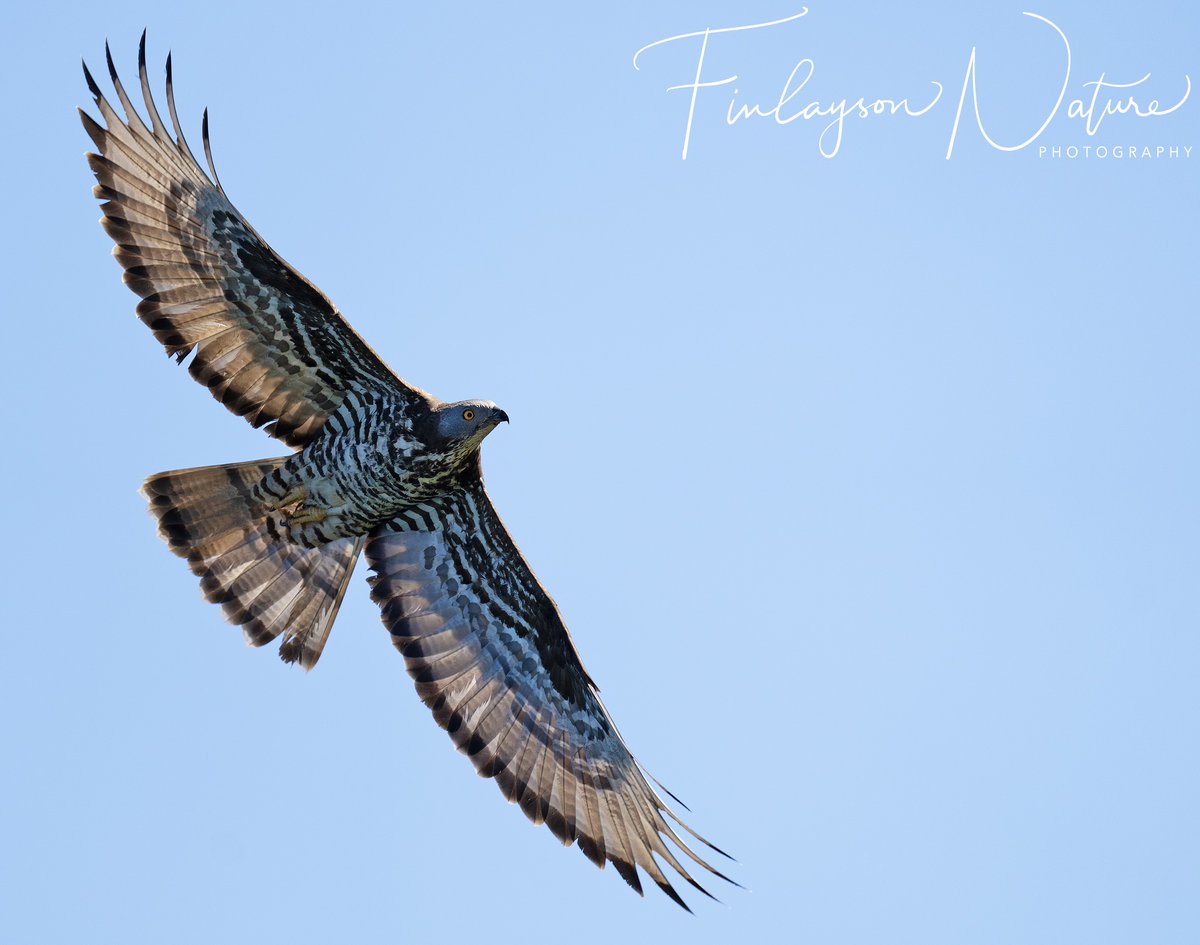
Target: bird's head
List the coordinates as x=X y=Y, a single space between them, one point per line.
x=463 y=425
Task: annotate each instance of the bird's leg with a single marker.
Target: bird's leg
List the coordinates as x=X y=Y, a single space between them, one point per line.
x=307 y=515
x=300 y=514
x=295 y=497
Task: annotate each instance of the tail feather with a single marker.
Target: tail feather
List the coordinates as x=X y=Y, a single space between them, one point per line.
x=265 y=584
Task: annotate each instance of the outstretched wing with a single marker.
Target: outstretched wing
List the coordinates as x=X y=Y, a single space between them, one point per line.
x=491 y=657
x=267 y=342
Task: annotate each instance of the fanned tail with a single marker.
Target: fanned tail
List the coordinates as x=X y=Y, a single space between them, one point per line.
x=265 y=584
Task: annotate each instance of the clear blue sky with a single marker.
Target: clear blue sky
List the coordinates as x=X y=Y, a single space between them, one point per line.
x=867 y=484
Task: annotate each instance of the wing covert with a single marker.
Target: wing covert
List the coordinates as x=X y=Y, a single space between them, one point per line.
x=491 y=658
x=267 y=343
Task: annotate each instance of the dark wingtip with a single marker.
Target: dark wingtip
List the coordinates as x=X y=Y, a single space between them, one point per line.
x=666 y=790
x=673 y=796
x=217 y=180
x=142 y=50
x=714 y=847
x=667 y=888
x=628 y=872
x=168 y=67
x=87 y=75
x=112 y=69
x=708 y=843
x=591 y=850
x=696 y=885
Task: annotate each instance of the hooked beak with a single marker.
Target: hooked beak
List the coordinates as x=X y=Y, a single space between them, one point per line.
x=499 y=416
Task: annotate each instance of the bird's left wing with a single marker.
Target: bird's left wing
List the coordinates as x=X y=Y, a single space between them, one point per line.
x=492 y=659
x=268 y=344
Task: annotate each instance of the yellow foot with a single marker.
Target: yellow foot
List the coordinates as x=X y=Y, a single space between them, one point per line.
x=307 y=515
x=295 y=497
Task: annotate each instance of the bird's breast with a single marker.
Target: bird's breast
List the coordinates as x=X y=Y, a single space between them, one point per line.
x=360 y=478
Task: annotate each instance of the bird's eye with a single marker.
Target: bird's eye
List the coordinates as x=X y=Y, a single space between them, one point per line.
x=468 y=414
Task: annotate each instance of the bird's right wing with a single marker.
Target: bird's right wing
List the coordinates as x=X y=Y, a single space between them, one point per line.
x=267 y=342
x=493 y=661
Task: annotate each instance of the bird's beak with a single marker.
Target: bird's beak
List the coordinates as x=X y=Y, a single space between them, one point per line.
x=500 y=416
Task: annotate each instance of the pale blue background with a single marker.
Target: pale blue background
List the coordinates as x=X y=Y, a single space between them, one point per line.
x=868 y=487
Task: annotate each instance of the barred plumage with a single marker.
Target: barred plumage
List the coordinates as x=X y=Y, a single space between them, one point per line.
x=379 y=464
x=268 y=587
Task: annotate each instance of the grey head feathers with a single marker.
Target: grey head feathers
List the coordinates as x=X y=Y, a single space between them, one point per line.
x=467 y=421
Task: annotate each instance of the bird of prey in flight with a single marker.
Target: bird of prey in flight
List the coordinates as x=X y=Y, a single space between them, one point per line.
x=377 y=466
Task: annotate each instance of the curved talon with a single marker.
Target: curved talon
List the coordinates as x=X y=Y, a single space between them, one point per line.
x=307 y=515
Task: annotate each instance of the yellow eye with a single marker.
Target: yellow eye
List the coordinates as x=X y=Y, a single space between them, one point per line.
x=468 y=414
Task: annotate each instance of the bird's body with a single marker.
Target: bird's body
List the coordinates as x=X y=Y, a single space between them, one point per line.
x=379 y=467
x=372 y=461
